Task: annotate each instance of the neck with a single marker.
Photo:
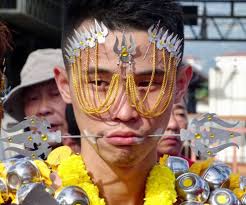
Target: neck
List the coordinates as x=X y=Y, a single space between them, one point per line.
x=118 y=185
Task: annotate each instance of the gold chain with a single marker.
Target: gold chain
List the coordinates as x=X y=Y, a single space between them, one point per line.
x=82 y=90
x=132 y=91
x=89 y=106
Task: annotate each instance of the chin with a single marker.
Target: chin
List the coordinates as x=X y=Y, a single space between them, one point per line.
x=123 y=156
x=169 y=151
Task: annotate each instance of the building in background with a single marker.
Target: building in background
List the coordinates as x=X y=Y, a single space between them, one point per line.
x=227 y=98
x=34 y=24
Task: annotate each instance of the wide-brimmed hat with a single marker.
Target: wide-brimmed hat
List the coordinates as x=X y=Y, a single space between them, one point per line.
x=37 y=69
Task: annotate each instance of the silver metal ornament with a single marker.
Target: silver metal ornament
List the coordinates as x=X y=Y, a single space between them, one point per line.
x=216 y=176
x=23 y=172
x=191 y=203
x=243 y=199
x=72 y=195
x=178 y=165
x=223 y=197
x=192 y=187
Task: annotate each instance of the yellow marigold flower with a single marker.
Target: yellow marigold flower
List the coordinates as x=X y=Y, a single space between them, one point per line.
x=1 y=199
x=234 y=181
x=58 y=155
x=163 y=159
x=160 y=187
x=72 y=171
x=199 y=167
x=238 y=192
x=44 y=170
x=2 y=170
x=93 y=193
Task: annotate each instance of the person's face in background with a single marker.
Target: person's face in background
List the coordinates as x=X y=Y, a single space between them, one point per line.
x=172 y=145
x=180 y=114
x=44 y=100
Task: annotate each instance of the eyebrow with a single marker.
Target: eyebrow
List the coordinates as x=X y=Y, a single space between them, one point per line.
x=91 y=70
x=149 y=72
x=140 y=73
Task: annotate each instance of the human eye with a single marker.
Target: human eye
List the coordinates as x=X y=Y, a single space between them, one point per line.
x=32 y=97
x=149 y=84
x=100 y=83
x=55 y=93
x=180 y=114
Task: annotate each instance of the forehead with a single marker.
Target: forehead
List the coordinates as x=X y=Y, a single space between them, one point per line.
x=108 y=59
x=50 y=84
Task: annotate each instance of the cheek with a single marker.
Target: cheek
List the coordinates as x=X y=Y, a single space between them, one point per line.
x=60 y=107
x=30 y=109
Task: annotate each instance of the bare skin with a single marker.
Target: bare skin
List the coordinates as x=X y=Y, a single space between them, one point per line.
x=170 y=144
x=120 y=170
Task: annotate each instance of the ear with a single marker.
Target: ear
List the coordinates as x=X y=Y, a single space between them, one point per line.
x=62 y=82
x=184 y=75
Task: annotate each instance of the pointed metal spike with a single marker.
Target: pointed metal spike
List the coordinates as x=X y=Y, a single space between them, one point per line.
x=159 y=33
x=177 y=52
x=71 y=43
x=78 y=35
x=169 y=38
x=132 y=49
x=177 y=44
x=123 y=43
x=76 y=32
x=116 y=44
x=174 y=40
x=86 y=32
x=104 y=29
x=74 y=40
x=164 y=37
x=97 y=26
x=150 y=29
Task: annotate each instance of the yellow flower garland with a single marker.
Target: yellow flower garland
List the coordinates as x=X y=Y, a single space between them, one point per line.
x=160 y=186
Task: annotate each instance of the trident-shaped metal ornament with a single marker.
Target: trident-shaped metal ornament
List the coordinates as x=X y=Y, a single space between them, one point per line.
x=204 y=137
x=125 y=53
x=36 y=140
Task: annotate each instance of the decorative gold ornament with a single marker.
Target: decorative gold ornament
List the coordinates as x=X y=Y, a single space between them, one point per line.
x=166 y=91
x=93 y=101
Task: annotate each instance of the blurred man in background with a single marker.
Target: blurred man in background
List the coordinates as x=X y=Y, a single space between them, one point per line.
x=38 y=95
x=172 y=145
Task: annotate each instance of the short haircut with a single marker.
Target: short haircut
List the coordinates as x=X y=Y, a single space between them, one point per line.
x=122 y=14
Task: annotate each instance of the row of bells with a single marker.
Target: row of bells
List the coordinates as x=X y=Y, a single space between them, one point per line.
x=23 y=176
x=209 y=188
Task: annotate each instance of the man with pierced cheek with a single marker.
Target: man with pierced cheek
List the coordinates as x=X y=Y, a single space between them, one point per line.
x=122 y=79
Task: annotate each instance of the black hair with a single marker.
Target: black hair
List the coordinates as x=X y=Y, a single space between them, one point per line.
x=70 y=118
x=72 y=124
x=122 y=14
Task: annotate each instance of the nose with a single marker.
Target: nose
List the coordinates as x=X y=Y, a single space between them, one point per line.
x=123 y=111
x=44 y=108
x=173 y=125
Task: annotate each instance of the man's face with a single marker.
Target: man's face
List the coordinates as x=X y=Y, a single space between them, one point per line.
x=124 y=132
x=44 y=100
x=180 y=114
x=169 y=144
